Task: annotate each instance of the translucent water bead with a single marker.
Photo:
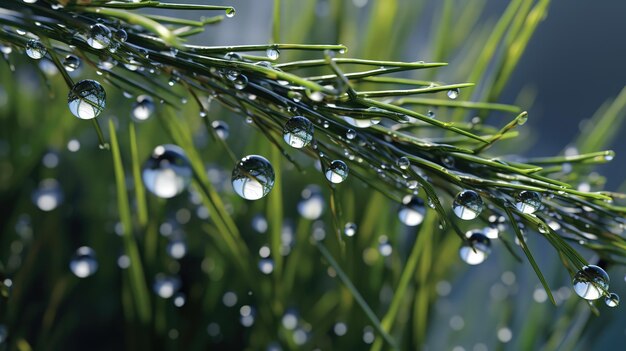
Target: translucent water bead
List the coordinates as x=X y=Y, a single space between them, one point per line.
x=337 y=172
x=143 y=108
x=253 y=177
x=166 y=286
x=467 y=205
x=167 y=172
x=99 y=36
x=48 y=195
x=477 y=249
x=71 y=63
x=528 y=201
x=221 y=128
x=298 y=132
x=84 y=263
x=86 y=99
x=311 y=206
x=612 y=300
x=412 y=211
x=591 y=282
x=35 y=49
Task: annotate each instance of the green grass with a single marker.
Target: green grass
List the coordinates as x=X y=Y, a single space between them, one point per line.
x=386 y=302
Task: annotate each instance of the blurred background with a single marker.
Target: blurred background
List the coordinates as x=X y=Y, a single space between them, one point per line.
x=570 y=67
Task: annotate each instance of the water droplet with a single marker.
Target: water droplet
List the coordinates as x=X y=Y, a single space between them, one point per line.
x=431 y=114
x=298 y=132
x=349 y=229
x=240 y=82
x=412 y=184
x=337 y=172
x=35 y=49
x=528 y=201
x=467 y=205
x=403 y=162
x=491 y=232
x=177 y=248
x=453 y=93
x=612 y=300
x=311 y=206
x=86 y=99
x=448 y=161
x=316 y=96
x=221 y=128
x=142 y=108
x=266 y=265
x=361 y=123
x=253 y=177
x=84 y=263
x=71 y=63
x=48 y=195
x=295 y=96
x=476 y=250
x=522 y=119
x=167 y=172
x=412 y=211
x=179 y=299
x=230 y=12
x=350 y=134
x=121 y=35
x=99 y=36
x=591 y=282
x=272 y=53
x=166 y=286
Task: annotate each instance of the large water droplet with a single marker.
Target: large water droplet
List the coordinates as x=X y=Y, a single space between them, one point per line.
x=412 y=211
x=612 y=300
x=71 y=63
x=48 y=195
x=467 y=205
x=476 y=250
x=528 y=201
x=403 y=162
x=350 y=134
x=142 y=108
x=167 y=172
x=84 y=263
x=349 y=229
x=361 y=123
x=337 y=172
x=253 y=177
x=591 y=282
x=121 y=35
x=230 y=12
x=177 y=248
x=272 y=53
x=166 y=286
x=221 y=129
x=298 y=132
x=35 y=49
x=240 y=82
x=311 y=206
x=99 y=36
x=453 y=93
x=86 y=99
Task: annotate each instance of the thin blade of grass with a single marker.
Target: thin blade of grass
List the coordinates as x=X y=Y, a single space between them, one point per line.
x=602 y=129
x=357 y=296
x=408 y=272
x=529 y=255
x=140 y=192
x=137 y=280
